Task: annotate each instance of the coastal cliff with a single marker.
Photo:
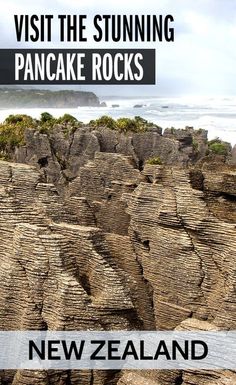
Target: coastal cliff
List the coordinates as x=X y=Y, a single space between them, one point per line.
x=26 y=98
x=87 y=218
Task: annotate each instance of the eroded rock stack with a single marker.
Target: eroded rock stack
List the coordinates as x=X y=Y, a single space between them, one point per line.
x=121 y=248
x=60 y=153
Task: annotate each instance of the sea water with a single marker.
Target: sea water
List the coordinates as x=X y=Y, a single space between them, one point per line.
x=217 y=115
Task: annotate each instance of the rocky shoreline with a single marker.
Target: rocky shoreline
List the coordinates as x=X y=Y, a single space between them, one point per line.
x=105 y=229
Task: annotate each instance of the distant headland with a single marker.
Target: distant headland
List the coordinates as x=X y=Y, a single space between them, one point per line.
x=12 y=98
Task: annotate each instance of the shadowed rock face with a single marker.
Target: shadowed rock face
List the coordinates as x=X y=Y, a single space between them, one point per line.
x=122 y=248
x=59 y=155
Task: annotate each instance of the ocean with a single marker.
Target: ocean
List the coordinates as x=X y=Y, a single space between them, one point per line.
x=217 y=115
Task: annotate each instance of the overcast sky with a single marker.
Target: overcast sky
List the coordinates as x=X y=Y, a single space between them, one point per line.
x=201 y=61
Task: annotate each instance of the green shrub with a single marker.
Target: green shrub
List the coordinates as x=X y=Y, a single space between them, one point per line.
x=19 y=119
x=104 y=121
x=137 y=124
x=67 y=118
x=156 y=160
x=46 y=117
x=142 y=124
x=12 y=133
x=127 y=124
x=216 y=146
x=11 y=136
x=13 y=119
x=46 y=123
x=195 y=145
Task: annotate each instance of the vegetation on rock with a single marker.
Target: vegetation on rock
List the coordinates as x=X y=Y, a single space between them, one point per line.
x=104 y=121
x=195 y=145
x=69 y=119
x=137 y=124
x=218 y=147
x=156 y=160
x=46 y=117
x=12 y=132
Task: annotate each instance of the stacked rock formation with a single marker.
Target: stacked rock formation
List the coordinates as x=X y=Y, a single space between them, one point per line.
x=120 y=249
x=59 y=154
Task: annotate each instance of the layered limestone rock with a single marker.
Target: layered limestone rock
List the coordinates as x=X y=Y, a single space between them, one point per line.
x=133 y=378
x=103 y=182
x=121 y=249
x=60 y=272
x=61 y=152
x=178 y=240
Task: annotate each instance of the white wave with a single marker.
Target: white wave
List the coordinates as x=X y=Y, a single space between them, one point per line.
x=217 y=115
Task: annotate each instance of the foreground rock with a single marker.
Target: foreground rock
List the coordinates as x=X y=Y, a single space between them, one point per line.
x=99 y=256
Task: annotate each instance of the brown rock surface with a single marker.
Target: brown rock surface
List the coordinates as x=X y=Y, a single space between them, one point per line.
x=120 y=249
